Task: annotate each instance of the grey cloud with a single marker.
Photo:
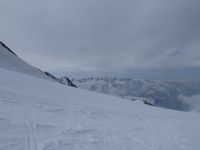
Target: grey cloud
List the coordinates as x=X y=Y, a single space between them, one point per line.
x=103 y=35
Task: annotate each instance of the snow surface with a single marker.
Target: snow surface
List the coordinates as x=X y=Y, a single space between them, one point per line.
x=36 y=114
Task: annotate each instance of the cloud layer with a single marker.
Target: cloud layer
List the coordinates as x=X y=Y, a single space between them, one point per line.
x=193 y=102
x=106 y=35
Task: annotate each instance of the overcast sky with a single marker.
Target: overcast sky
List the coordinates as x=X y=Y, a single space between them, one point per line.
x=135 y=38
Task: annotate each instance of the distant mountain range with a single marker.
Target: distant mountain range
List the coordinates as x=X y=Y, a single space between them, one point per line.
x=159 y=93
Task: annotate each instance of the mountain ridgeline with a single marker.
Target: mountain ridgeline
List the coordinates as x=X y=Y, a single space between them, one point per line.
x=10 y=61
x=165 y=94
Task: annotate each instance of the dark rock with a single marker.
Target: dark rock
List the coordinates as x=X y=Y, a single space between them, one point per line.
x=2 y=44
x=67 y=81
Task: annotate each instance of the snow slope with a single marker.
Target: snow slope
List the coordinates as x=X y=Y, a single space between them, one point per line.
x=166 y=94
x=10 y=61
x=36 y=114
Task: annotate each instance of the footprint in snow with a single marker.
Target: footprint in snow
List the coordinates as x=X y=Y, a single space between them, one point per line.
x=50 y=146
x=94 y=115
x=57 y=111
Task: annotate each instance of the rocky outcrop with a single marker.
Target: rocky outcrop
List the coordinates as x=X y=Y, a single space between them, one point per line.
x=67 y=81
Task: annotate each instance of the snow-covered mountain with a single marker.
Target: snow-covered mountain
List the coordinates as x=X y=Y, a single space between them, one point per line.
x=38 y=114
x=9 y=60
x=164 y=93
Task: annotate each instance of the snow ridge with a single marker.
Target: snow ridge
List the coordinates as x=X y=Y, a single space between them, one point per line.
x=3 y=45
x=9 y=60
